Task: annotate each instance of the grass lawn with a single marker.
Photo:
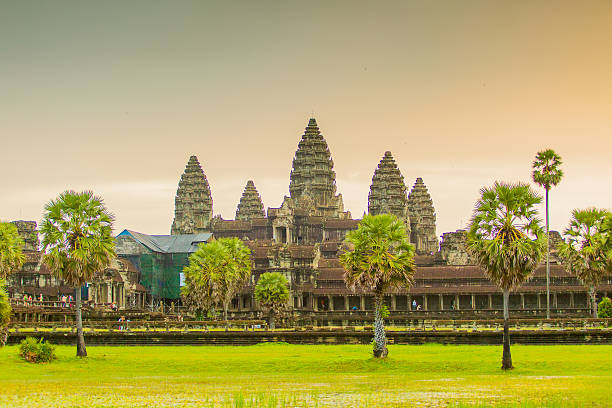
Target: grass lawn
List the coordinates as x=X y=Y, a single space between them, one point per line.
x=280 y=375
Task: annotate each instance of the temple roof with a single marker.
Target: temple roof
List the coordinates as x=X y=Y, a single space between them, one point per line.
x=186 y=243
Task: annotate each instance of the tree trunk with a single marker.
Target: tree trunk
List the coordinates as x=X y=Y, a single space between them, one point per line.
x=547 y=262
x=271 y=321
x=593 y=295
x=81 y=351
x=380 y=348
x=506 y=358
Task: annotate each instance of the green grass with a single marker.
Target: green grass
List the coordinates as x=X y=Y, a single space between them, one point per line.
x=280 y=375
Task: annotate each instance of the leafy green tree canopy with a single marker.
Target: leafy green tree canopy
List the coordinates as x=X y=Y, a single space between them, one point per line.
x=11 y=244
x=505 y=236
x=77 y=236
x=216 y=271
x=272 y=291
x=546 y=169
x=5 y=306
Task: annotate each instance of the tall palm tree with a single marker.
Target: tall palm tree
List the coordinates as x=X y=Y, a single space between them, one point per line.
x=5 y=313
x=216 y=272
x=506 y=240
x=77 y=243
x=587 y=253
x=546 y=173
x=11 y=244
x=272 y=293
x=379 y=258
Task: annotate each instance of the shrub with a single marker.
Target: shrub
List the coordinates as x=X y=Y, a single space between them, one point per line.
x=36 y=351
x=604 y=310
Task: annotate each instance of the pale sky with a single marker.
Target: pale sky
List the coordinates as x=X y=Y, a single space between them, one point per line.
x=115 y=96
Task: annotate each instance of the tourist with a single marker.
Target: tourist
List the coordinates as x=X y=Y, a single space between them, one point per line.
x=63 y=300
x=414 y=304
x=40 y=298
x=418 y=307
x=70 y=301
x=354 y=308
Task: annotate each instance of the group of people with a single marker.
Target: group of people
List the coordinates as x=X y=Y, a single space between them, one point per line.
x=66 y=301
x=415 y=305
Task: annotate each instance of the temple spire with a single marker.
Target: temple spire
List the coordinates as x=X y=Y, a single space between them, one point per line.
x=422 y=218
x=313 y=180
x=388 y=190
x=250 y=205
x=193 y=201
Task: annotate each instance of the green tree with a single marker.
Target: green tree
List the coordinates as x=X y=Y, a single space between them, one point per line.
x=272 y=293
x=5 y=312
x=216 y=272
x=604 y=311
x=77 y=242
x=506 y=240
x=379 y=257
x=586 y=252
x=546 y=173
x=11 y=244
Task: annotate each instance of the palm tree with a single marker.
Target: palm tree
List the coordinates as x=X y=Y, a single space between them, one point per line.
x=272 y=293
x=379 y=258
x=11 y=257
x=216 y=271
x=546 y=173
x=506 y=240
x=77 y=243
x=587 y=252
x=5 y=312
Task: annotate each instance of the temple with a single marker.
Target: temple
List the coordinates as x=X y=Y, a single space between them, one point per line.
x=302 y=239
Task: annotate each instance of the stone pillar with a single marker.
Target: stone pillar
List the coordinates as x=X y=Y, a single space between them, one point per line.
x=441 y=298
x=539 y=301
x=457 y=307
x=315 y=303
x=409 y=298
x=555 y=300
x=522 y=301
x=346 y=303
x=424 y=302
x=362 y=302
x=473 y=302
x=393 y=302
x=490 y=301
x=571 y=299
x=331 y=302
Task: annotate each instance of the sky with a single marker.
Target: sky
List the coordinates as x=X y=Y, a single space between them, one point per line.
x=115 y=96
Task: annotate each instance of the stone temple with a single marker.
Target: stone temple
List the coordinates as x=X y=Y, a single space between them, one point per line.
x=301 y=239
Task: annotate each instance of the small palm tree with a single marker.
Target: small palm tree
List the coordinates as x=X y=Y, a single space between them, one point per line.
x=11 y=244
x=272 y=293
x=546 y=173
x=5 y=313
x=216 y=272
x=77 y=243
x=587 y=253
x=379 y=258
x=506 y=240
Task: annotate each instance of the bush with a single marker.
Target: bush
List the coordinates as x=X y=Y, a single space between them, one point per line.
x=604 y=310
x=36 y=351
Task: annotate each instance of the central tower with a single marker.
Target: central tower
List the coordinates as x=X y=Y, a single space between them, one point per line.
x=312 y=185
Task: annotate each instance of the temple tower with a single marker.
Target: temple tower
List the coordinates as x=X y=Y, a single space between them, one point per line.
x=193 y=202
x=388 y=191
x=250 y=205
x=422 y=219
x=312 y=184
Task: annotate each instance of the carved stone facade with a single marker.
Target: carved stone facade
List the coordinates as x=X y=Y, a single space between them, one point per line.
x=27 y=232
x=388 y=191
x=453 y=250
x=193 y=204
x=250 y=205
x=422 y=219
